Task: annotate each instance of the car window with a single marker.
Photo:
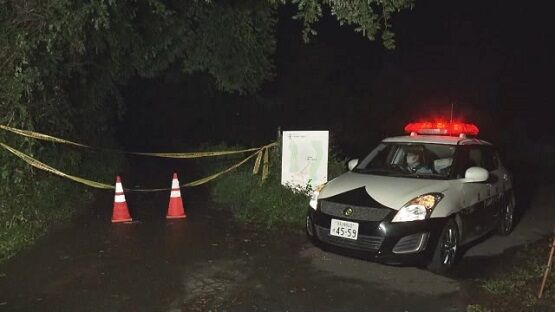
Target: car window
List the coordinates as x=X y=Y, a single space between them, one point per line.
x=476 y=156
x=468 y=156
x=497 y=158
x=418 y=160
x=491 y=160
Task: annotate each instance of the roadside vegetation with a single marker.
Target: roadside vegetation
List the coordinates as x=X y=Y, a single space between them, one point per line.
x=36 y=202
x=265 y=204
x=63 y=65
x=514 y=284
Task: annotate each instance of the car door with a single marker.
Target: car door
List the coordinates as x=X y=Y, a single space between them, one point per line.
x=495 y=186
x=493 y=201
x=476 y=196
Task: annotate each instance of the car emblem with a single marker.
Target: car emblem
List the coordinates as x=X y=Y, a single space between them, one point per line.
x=348 y=211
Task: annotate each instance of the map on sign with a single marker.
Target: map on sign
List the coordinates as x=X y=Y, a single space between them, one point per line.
x=304 y=159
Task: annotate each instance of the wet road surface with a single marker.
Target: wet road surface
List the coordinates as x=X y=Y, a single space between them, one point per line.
x=207 y=263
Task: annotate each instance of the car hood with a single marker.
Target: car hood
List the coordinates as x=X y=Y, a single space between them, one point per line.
x=392 y=192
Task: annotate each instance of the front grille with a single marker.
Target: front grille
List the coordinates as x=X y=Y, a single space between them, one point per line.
x=360 y=213
x=363 y=242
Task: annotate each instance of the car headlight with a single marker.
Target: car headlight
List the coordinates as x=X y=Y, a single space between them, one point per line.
x=314 y=197
x=418 y=208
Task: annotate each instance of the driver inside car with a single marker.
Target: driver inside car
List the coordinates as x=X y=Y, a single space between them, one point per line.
x=415 y=163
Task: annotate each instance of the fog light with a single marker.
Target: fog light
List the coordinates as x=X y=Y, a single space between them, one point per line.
x=411 y=243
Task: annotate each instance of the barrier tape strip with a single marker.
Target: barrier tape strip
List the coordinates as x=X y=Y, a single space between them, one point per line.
x=49 y=138
x=204 y=180
x=37 y=164
x=257 y=163
x=265 y=166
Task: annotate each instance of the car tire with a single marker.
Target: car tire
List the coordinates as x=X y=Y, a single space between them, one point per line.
x=445 y=253
x=507 y=218
x=309 y=227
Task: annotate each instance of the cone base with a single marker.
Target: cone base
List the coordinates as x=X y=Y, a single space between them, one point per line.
x=176 y=217
x=121 y=220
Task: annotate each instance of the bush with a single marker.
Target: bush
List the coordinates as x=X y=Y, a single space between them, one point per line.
x=268 y=204
x=34 y=202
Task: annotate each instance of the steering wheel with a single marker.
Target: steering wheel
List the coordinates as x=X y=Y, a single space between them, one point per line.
x=399 y=167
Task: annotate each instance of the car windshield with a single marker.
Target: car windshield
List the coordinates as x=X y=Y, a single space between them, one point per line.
x=415 y=160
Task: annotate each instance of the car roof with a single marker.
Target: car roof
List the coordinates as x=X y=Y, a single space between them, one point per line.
x=436 y=139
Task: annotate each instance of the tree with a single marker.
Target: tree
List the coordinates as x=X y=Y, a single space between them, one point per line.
x=61 y=61
x=369 y=17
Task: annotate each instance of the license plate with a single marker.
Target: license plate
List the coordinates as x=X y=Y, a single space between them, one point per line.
x=344 y=229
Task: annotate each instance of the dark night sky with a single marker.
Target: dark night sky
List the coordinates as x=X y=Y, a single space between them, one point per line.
x=492 y=60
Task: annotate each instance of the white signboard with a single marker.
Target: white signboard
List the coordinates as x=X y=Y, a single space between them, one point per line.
x=304 y=159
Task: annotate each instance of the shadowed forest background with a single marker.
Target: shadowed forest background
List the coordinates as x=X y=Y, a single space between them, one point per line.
x=491 y=73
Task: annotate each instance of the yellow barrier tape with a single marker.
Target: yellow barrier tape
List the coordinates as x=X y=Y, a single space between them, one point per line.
x=195 y=154
x=40 y=136
x=257 y=162
x=212 y=177
x=179 y=155
x=37 y=164
x=265 y=168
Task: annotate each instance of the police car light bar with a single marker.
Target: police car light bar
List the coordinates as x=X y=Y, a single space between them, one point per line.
x=442 y=128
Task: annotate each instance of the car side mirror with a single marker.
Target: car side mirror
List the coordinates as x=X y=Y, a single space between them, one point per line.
x=352 y=164
x=475 y=174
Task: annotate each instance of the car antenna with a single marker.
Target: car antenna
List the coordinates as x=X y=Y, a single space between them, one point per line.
x=451 y=119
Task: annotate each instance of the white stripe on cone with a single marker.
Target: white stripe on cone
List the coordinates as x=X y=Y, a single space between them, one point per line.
x=175 y=194
x=175 y=184
x=119 y=188
x=119 y=199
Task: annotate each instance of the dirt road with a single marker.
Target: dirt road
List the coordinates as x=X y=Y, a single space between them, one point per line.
x=207 y=263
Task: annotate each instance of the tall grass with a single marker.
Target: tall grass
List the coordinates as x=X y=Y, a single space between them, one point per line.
x=265 y=204
x=514 y=285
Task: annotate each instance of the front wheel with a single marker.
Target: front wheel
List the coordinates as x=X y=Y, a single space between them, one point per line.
x=446 y=249
x=309 y=227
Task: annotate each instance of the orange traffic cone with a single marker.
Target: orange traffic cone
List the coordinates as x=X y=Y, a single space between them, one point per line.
x=120 y=212
x=175 y=207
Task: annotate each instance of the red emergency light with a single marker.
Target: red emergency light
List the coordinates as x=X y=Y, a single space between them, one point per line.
x=442 y=128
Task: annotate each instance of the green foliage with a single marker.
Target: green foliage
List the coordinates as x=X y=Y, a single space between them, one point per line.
x=268 y=204
x=516 y=279
x=27 y=216
x=232 y=44
x=368 y=17
x=61 y=63
x=34 y=202
x=476 y=308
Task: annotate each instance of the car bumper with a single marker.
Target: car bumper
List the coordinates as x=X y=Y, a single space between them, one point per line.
x=394 y=243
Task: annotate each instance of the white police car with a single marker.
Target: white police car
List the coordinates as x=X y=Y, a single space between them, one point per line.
x=417 y=198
